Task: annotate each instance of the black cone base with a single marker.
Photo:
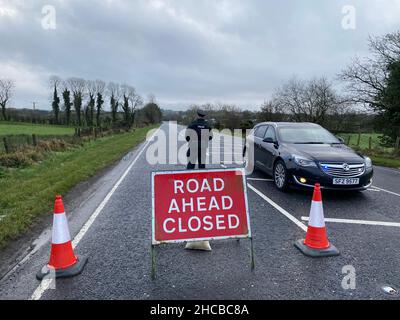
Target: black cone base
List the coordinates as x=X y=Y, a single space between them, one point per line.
x=64 y=273
x=316 y=253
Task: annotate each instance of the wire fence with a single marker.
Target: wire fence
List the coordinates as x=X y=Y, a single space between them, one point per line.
x=13 y=143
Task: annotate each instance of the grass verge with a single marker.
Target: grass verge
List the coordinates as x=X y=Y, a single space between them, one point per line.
x=385 y=161
x=27 y=193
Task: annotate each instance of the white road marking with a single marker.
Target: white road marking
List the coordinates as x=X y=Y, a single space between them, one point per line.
x=300 y=224
x=41 y=289
x=376 y=190
x=260 y=179
x=387 y=191
x=364 y=222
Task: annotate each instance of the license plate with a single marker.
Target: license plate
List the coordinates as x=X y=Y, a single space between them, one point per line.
x=346 y=181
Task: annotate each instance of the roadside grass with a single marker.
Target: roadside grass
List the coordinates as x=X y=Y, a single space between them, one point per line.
x=28 y=193
x=380 y=156
x=17 y=128
x=385 y=161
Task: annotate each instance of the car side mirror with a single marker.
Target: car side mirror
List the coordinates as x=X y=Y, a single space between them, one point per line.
x=270 y=140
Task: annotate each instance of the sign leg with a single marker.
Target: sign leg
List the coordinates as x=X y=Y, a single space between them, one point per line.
x=153 y=262
x=252 y=264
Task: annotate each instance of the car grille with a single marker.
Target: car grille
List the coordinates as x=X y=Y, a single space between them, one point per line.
x=343 y=170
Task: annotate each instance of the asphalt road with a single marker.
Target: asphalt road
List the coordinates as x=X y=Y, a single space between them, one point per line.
x=118 y=239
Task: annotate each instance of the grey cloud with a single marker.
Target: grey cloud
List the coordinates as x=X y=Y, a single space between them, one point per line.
x=187 y=51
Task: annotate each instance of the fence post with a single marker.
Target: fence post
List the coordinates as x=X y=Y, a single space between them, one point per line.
x=358 y=139
x=6 y=145
x=34 y=140
x=370 y=143
x=348 y=140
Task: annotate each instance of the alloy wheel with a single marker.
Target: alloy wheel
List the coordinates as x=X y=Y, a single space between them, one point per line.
x=280 y=175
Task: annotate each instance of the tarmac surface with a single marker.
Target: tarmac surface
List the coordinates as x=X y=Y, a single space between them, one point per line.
x=110 y=218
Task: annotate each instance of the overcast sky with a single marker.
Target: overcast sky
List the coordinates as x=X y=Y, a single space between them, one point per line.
x=184 y=51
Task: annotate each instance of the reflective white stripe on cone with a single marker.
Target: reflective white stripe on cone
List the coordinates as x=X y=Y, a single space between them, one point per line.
x=60 y=233
x=198 y=245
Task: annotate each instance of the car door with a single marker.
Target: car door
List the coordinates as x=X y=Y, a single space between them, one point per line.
x=268 y=149
x=259 y=134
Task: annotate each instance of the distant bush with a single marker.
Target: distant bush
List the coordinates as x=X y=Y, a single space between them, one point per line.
x=15 y=160
x=30 y=154
x=52 y=145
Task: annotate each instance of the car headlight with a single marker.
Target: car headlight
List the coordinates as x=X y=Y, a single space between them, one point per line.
x=304 y=162
x=368 y=162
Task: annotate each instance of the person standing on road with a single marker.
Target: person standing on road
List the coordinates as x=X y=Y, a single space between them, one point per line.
x=198 y=134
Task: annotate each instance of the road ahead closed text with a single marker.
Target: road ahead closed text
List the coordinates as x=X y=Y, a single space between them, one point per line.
x=199 y=205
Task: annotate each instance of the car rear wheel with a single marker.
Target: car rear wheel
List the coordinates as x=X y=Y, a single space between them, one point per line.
x=280 y=176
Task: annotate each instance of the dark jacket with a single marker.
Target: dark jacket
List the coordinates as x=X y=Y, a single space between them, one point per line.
x=199 y=125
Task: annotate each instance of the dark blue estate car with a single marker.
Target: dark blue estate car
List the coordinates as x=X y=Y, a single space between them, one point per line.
x=301 y=154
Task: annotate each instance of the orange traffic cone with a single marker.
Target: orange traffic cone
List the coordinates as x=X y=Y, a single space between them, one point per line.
x=62 y=258
x=316 y=243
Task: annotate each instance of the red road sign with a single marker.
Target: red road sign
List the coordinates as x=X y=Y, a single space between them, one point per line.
x=199 y=205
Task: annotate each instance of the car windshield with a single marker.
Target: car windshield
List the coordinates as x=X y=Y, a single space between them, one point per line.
x=306 y=135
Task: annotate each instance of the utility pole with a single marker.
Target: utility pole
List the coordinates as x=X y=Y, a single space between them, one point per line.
x=34 y=105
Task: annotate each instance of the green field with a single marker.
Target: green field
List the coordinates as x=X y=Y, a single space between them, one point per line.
x=364 y=140
x=380 y=155
x=16 y=128
x=27 y=193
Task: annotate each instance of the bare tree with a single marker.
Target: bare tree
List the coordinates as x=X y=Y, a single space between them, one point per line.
x=290 y=98
x=100 y=92
x=135 y=101
x=131 y=100
x=271 y=111
x=78 y=88
x=114 y=92
x=375 y=81
x=308 y=100
x=6 y=91
x=54 y=83
x=366 y=78
x=66 y=94
x=127 y=92
x=89 y=111
x=151 y=98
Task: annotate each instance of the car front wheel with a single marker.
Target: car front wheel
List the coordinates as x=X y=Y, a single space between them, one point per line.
x=280 y=176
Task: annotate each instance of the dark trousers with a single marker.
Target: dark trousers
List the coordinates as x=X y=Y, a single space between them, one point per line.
x=201 y=159
x=191 y=166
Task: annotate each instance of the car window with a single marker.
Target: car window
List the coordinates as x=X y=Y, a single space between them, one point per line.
x=270 y=133
x=306 y=134
x=260 y=131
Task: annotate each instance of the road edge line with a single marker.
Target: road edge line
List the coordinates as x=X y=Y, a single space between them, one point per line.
x=44 y=286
